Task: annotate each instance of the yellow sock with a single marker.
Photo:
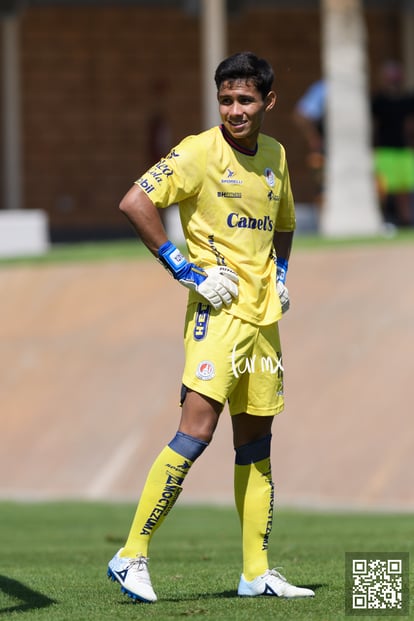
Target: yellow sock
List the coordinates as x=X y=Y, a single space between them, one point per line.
x=253 y=489
x=161 y=490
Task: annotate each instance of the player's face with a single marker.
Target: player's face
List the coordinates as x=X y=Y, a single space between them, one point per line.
x=242 y=109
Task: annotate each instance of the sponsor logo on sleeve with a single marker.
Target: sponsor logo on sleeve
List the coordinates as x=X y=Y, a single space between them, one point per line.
x=156 y=174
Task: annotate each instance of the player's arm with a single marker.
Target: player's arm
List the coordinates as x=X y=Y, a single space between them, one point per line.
x=145 y=218
x=282 y=241
x=218 y=285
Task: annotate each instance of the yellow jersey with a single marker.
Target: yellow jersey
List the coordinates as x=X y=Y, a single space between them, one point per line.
x=231 y=202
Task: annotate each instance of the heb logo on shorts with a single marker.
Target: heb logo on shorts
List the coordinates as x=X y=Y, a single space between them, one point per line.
x=201 y=321
x=205 y=370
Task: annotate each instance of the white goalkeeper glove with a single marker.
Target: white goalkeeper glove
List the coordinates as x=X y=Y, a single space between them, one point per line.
x=282 y=291
x=218 y=285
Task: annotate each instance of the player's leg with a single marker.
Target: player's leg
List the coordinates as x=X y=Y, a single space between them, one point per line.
x=254 y=494
x=253 y=489
x=199 y=417
x=253 y=405
x=203 y=374
x=162 y=487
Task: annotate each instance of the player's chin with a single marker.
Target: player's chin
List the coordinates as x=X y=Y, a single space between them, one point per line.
x=238 y=132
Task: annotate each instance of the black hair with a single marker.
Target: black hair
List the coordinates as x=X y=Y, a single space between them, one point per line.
x=246 y=66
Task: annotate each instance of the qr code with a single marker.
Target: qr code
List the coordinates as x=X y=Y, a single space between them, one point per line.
x=377 y=583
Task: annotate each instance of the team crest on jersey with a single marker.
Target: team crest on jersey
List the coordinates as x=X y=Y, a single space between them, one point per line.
x=205 y=370
x=270 y=177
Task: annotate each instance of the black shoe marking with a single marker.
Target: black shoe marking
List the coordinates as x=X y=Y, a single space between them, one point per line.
x=122 y=574
x=269 y=591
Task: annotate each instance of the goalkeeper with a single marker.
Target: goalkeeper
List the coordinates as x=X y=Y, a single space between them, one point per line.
x=232 y=186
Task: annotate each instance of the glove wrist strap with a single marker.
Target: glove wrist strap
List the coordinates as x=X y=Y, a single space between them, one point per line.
x=282 y=268
x=172 y=259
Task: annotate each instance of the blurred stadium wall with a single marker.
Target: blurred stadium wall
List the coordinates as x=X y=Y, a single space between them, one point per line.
x=105 y=87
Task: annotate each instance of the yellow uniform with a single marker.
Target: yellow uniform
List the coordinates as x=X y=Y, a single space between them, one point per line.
x=230 y=205
x=231 y=202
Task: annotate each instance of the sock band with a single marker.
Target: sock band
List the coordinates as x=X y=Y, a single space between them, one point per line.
x=187 y=446
x=253 y=451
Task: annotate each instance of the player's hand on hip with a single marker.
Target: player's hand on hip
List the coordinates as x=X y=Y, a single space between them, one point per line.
x=218 y=285
x=282 y=291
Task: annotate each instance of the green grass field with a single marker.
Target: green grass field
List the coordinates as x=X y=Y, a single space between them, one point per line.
x=54 y=557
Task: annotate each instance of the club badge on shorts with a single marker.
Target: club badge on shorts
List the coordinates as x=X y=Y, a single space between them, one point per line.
x=205 y=370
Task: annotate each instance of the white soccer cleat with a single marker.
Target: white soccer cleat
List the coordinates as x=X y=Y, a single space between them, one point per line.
x=133 y=576
x=271 y=583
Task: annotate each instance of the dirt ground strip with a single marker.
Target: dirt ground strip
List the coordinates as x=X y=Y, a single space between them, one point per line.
x=90 y=369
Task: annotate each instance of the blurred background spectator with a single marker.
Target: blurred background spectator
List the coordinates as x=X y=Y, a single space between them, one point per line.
x=393 y=137
x=308 y=115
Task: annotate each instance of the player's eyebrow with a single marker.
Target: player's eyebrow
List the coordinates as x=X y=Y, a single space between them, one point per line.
x=245 y=96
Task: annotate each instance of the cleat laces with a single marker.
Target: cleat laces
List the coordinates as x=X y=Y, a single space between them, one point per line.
x=139 y=566
x=274 y=572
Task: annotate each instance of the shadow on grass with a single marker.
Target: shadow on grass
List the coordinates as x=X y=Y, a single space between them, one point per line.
x=229 y=595
x=28 y=599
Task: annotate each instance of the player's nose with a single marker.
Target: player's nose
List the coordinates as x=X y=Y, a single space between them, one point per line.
x=236 y=110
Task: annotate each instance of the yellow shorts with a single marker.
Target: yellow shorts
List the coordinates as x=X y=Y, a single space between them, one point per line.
x=228 y=359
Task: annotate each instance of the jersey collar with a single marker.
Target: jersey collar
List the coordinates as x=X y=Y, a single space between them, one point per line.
x=235 y=145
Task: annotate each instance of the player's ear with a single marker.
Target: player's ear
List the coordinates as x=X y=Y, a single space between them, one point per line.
x=270 y=101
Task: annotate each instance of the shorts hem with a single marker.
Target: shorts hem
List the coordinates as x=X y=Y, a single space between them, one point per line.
x=272 y=412
x=195 y=386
